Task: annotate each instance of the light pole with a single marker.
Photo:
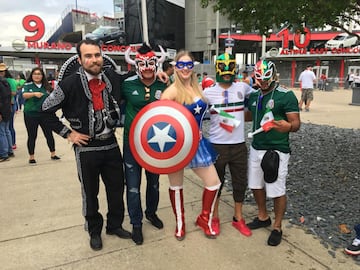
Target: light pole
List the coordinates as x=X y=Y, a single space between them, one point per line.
x=217 y=33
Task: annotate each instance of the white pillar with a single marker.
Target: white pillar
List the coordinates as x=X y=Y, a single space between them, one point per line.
x=263 y=47
x=144 y=22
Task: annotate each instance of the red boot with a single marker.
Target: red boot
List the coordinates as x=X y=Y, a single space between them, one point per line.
x=177 y=203
x=216 y=225
x=204 y=220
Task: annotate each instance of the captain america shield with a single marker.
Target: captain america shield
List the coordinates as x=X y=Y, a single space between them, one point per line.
x=164 y=137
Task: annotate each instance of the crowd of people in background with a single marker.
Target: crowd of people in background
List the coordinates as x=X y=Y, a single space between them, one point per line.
x=25 y=95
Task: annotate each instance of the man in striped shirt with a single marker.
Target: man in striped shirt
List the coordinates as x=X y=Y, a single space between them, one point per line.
x=227 y=99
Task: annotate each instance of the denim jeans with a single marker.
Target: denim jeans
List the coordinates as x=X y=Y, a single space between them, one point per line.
x=357 y=230
x=133 y=194
x=19 y=100
x=5 y=139
x=11 y=124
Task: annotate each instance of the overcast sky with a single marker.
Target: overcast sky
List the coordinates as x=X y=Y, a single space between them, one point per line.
x=50 y=11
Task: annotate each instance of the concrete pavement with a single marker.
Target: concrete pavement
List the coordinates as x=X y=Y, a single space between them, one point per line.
x=41 y=225
x=332 y=108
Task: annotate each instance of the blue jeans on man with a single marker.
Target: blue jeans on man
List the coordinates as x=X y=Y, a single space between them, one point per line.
x=133 y=195
x=11 y=124
x=5 y=139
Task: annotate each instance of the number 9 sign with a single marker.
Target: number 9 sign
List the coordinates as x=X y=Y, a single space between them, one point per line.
x=34 y=24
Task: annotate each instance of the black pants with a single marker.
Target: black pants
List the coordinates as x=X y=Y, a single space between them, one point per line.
x=235 y=156
x=101 y=158
x=32 y=123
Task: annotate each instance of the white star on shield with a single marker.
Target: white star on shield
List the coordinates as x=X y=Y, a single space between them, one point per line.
x=161 y=136
x=197 y=109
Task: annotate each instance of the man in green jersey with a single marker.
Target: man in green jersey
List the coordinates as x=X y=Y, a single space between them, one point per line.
x=275 y=113
x=138 y=91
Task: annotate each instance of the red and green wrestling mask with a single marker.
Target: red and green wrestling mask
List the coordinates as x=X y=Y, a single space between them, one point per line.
x=145 y=60
x=265 y=74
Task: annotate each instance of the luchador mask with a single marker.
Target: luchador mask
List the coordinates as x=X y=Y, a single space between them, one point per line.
x=145 y=59
x=225 y=65
x=265 y=73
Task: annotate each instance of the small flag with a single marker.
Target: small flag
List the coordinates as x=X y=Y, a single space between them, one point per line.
x=227 y=121
x=267 y=122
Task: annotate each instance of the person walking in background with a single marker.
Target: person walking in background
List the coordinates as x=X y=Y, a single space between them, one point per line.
x=50 y=77
x=13 y=86
x=186 y=91
x=36 y=89
x=227 y=99
x=168 y=68
x=138 y=91
x=5 y=116
x=20 y=81
x=356 y=82
x=52 y=80
x=351 y=79
x=204 y=78
x=354 y=247
x=207 y=82
x=199 y=78
x=307 y=79
x=275 y=109
x=322 y=85
x=89 y=99
x=246 y=78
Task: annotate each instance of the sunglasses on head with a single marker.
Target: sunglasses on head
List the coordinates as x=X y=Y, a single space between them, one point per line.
x=182 y=64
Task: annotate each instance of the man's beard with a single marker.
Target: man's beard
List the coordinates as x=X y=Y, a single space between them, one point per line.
x=270 y=87
x=91 y=70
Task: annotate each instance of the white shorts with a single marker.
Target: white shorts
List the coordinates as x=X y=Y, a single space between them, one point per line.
x=256 y=174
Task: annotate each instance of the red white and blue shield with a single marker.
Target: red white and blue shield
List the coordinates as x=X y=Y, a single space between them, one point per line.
x=164 y=137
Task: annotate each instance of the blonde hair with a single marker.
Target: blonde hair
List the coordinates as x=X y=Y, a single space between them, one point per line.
x=182 y=95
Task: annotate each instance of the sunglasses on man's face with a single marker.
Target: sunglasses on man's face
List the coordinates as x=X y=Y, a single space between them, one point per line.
x=182 y=64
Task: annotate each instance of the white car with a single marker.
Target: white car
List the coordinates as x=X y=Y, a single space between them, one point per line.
x=342 y=41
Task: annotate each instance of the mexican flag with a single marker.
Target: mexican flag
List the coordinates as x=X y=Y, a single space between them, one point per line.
x=227 y=121
x=267 y=120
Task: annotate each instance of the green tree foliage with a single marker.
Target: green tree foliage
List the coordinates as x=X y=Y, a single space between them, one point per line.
x=264 y=16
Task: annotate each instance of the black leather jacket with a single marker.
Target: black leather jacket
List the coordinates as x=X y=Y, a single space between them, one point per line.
x=5 y=99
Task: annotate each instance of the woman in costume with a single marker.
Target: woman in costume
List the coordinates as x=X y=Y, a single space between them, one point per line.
x=186 y=91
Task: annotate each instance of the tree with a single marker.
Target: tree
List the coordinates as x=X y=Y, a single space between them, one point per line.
x=267 y=15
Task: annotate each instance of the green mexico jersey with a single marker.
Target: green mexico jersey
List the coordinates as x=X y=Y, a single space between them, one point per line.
x=13 y=87
x=281 y=101
x=32 y=106
x=137 y=95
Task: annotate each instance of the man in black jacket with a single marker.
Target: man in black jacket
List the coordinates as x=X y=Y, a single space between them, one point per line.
x=5 y=115
x=89 y=99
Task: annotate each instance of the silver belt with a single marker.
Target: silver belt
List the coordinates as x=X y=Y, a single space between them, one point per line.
x=103 y=137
